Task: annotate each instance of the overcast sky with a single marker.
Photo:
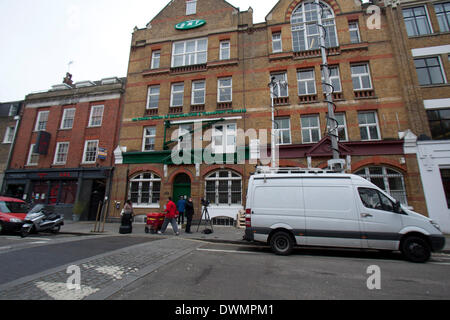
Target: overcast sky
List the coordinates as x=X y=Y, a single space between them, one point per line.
x=38 y=39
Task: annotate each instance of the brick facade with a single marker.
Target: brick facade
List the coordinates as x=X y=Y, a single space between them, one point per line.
x=64 y=177
x=251 y=64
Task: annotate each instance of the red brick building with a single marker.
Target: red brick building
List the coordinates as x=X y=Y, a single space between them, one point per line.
x=205 y=60
x=64 y=146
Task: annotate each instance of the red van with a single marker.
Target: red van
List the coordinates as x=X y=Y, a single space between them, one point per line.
x=12 y=213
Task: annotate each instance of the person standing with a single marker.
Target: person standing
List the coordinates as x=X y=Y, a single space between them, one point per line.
x=127 y=217
x=171 y=217
x=181 y=203
x=189 y=210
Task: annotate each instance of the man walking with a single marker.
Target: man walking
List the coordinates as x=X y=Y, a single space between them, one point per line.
x=171 y=216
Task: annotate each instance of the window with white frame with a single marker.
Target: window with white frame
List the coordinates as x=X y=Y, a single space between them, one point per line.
x=306 y=80
x=33 y=158
x=68 y=118
x=191 y=7
x=335 y=79
x=9 y=134
x=62 y=150
x=224 y=187
x=280 y=88
x=225 y=90
x=283 y=131
x=148 y=141
x=416 y=21
x=387 y=179
x=156 y=59
x=153 y=97
x=90 y=151
x=353 y=28
x=198 y=92
x=190 y=52
x=310 y=128
x=225 y=50
x=341 y=125
x=13 y=110
x=224 y=138
x=177 y=96
x=443 y=15
x=96 y=117
x=429 y=71
x=305 y=28
x=41 y=122
x=439 y=120
x=277 y=42
x=145 y=190
x=184 y=133
x=361 y=77
x=368 y=125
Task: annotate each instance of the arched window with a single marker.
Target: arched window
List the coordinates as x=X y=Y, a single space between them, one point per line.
x=386 y=179
x=305 y=30
x=224 y=187
x=145 y=189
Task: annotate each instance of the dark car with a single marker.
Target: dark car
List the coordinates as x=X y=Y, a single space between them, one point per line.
x=12 y=214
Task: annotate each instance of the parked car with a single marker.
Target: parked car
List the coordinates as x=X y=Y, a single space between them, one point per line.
x=12 y=214
x=334 y=210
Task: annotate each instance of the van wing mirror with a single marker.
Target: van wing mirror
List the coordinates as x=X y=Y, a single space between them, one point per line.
x=397 y=207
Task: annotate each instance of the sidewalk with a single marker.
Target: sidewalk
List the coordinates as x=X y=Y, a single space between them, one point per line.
x=220 y=234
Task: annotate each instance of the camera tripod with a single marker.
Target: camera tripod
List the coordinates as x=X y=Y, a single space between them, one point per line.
x=205 y=216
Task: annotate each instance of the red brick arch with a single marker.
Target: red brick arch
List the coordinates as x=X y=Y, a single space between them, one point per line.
x=218 y=167
x=378 y=161
x=181 y=170
x=146 y=168
x=332 y=3
x=290 y=163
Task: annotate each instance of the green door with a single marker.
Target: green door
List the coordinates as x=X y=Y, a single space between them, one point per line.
x=181 y=187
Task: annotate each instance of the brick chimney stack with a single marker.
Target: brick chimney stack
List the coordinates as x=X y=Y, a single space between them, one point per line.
x=68 y=79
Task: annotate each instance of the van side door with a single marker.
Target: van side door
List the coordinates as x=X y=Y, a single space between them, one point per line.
x=330 y=212
x=381 y=225
x=278 y=203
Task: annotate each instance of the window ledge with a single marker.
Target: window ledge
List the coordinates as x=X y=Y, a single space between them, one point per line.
x=189 y=69
x=315 y=53
x=355 y=46
x=152 y=72
x=280 y=55
x=365 y=94
x=222 y=63
x=308 y=98
x=435 y=85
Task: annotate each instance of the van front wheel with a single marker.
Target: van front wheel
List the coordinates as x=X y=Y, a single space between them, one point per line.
x=416 y=249
x=281 y=243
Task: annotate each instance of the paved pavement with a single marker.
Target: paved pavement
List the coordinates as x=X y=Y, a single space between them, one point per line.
x=104 y=275
x=220 y=234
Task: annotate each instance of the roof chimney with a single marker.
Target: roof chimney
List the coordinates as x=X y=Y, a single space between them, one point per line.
x=68 y=79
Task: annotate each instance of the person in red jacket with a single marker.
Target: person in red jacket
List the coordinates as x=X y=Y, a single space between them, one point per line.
x=171 y=216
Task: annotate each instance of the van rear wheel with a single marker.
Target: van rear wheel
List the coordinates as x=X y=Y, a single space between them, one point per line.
x=416 y=249
x=281 y=243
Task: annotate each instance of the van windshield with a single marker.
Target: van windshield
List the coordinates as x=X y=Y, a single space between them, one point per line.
x=13 y=207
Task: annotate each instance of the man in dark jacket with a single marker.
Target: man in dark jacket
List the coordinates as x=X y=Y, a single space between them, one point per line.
x=189 y=210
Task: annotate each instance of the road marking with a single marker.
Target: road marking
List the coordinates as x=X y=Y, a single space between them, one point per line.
x=59 y=291
x=5 y=248
x=228 y=251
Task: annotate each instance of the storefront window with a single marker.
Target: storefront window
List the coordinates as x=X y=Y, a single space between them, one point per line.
x=386 y=179
x=224 y=188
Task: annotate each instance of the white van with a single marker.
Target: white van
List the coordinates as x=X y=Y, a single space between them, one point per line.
x=318 y=208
